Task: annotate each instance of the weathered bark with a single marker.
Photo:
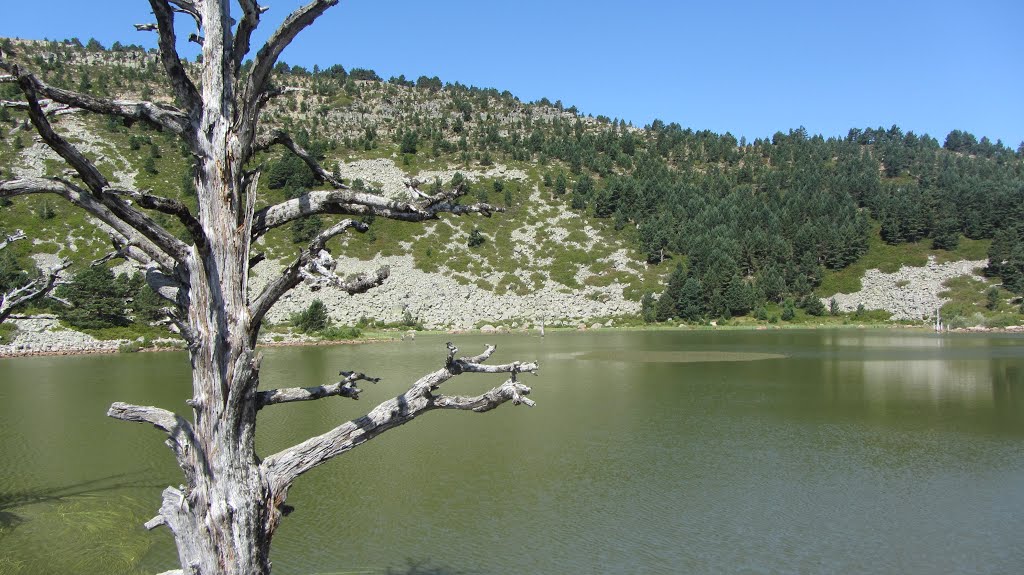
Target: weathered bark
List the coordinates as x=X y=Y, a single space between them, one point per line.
x=223 y=517
x=284 y=467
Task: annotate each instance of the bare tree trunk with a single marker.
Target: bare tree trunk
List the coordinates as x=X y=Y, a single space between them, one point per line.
x=223 y=517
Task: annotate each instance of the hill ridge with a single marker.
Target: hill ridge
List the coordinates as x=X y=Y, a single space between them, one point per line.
x=598 y=209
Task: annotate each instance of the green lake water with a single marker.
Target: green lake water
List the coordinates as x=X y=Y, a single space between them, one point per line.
x=843 y=451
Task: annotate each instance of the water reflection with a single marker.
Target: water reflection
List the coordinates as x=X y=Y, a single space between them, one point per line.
x=929 y=381
x=648 y=356
x=649 y=452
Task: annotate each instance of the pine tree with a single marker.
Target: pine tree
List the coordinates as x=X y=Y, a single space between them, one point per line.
x=737 y=296
x=674 y=289
x=560 y=184
x=97 y=299
x=648 y=307
x=691 y=301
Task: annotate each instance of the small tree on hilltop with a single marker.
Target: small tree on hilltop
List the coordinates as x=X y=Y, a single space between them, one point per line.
x=232 y=499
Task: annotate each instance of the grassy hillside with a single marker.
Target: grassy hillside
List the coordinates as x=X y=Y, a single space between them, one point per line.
x=591 y=202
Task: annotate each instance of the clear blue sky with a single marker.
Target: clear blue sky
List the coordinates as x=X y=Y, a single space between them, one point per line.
x=746 y=67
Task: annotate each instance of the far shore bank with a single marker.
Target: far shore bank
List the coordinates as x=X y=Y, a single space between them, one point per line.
x=112 y=347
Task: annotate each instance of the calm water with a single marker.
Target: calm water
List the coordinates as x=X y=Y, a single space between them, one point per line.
x=687 y=452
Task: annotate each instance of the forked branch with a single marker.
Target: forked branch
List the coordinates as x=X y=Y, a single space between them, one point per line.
x=267 y=56
x=349 y=202
x=97 y=182
x=280 y=137
x=284 y=467
x=147 y=252
x=243 y=34
x=315 y=264
x=31 y=291
x=343 y=388
x=182 y=85
x=170 y=207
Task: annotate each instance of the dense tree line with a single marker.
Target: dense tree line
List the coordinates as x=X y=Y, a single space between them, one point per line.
x=759 y=222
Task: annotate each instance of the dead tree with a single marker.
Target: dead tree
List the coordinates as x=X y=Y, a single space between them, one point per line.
x=224 y=516
x=32 y=289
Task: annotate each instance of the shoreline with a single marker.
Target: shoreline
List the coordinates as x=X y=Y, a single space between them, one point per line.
x=115 y=346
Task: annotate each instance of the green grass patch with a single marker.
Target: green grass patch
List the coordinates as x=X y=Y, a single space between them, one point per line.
x=967 y=305
x=7 y=331
x=889 y=258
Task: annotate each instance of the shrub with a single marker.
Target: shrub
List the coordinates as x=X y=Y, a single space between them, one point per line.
x=409 y=321
x=992 y=298
x=146 y=305
x=341 y=332
x=813 y=306
x=409 y=143
x=475 y=238
x=788 y=311
x=648 y=307
x=305 y=229
x=314 y=318
x=46 y=211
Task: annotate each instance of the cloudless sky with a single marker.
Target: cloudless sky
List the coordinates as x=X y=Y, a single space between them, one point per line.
x=747 y=67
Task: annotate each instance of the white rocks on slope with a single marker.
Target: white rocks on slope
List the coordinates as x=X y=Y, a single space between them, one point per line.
x=909 y=293
x=43 y=334
x=438 y=300
x=391 y=179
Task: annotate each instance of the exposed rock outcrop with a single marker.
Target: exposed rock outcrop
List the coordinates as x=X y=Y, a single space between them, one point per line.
x=440 y=302
x=910 y=292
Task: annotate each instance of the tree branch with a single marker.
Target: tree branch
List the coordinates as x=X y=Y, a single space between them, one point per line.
x=308 y=264
x=188 y=7
x=11 y=238
x=31 y=291
x=284 y=467
x=161 y=283
x=267 y=56
x=162 y=116
x=182 y=85
x=344 y=388
x=271 y=92
x=49 y=107
x=281 y=137
x=150 y=251
x=98 y=183
x=243 y=34
x=89 y=173
x=348 y=202
x=171 y=207
x=181 y=437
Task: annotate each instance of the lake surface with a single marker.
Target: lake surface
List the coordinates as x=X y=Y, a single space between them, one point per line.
x=648 y=452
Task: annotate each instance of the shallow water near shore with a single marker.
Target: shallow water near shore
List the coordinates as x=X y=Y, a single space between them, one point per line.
x=648 y=452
